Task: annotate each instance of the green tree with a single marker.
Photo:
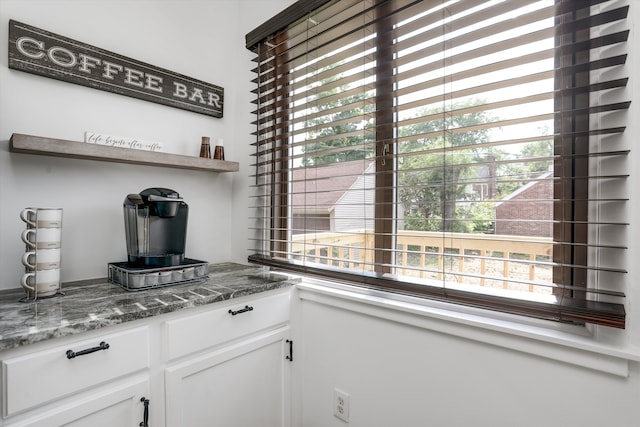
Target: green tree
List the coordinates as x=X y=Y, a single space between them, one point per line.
x=434 y=189
x=432 y=184
x=532 y=160
x=541 y=150
x=339 y=138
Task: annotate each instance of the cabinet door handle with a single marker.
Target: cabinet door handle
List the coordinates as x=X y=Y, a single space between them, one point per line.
x=290 y=356
x=242 y=310
x=145 y=416
x=102 y=346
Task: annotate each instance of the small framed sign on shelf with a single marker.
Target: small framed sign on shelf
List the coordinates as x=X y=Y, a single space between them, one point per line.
x=121 y=141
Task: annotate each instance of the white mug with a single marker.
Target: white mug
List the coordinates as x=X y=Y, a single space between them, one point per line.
x=42 y=217
x=43 y=238
x=42 y=259
x=41 y=283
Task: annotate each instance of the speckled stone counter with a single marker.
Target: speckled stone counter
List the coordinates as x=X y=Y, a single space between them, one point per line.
x=93 y=304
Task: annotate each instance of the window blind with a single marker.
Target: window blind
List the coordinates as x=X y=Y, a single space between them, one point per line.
x=466 y=151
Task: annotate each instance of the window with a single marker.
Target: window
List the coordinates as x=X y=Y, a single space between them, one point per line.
x=465 y=151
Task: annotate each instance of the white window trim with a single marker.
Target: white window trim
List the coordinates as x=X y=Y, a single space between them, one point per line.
x=575 y=345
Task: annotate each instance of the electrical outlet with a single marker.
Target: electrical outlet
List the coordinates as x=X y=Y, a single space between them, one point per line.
x=341 y=405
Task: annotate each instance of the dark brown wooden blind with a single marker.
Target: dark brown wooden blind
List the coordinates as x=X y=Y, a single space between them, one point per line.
x=471 y=152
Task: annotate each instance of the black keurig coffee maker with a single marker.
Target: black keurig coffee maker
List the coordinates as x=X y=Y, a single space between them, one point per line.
x=156 y=227
x=155 y=223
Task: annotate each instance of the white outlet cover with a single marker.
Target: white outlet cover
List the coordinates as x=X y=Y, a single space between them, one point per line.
x=341 y=404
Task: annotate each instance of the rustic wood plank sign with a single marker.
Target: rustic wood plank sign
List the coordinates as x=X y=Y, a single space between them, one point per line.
x=50 y=55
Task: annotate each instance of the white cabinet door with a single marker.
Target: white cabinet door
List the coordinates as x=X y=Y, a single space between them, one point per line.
x=115 y=406
x=245 y=384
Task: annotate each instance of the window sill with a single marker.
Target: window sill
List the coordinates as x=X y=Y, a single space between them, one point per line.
x=570 y=344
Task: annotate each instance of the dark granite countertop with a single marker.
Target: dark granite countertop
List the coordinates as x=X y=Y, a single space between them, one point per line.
x=92 y=304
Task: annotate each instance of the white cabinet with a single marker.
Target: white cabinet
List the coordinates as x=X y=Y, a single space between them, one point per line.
x=243 y=385
x=222 y=364
x=242 y=382
x=79 y=382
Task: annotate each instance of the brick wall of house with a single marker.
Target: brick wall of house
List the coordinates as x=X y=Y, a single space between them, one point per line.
x=528 y=212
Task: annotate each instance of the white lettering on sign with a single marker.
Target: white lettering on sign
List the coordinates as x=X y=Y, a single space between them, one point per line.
x=214 y=99
x=50 y=55
x=182 y=91
x=65 y=58
x=132 y=77
x=154 y=83
x=110 y=70
x=87 y=62
x=20 y=44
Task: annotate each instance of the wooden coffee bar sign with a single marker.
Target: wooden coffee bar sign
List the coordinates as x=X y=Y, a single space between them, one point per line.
x=46 y=54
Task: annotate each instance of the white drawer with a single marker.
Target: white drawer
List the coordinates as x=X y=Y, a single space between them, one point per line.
x=190 y=334
x=46 y=375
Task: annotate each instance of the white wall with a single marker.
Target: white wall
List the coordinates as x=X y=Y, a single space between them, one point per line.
x=201 y=39
x=406 y=372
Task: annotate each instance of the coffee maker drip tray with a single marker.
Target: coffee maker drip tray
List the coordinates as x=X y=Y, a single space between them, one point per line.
x=136 y=278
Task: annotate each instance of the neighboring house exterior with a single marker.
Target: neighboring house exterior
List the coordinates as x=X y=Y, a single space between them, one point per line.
x=528 y=211
x=339 y=191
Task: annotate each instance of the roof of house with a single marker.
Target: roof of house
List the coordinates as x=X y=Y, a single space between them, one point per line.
x=321 y=187
x=525 y=187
